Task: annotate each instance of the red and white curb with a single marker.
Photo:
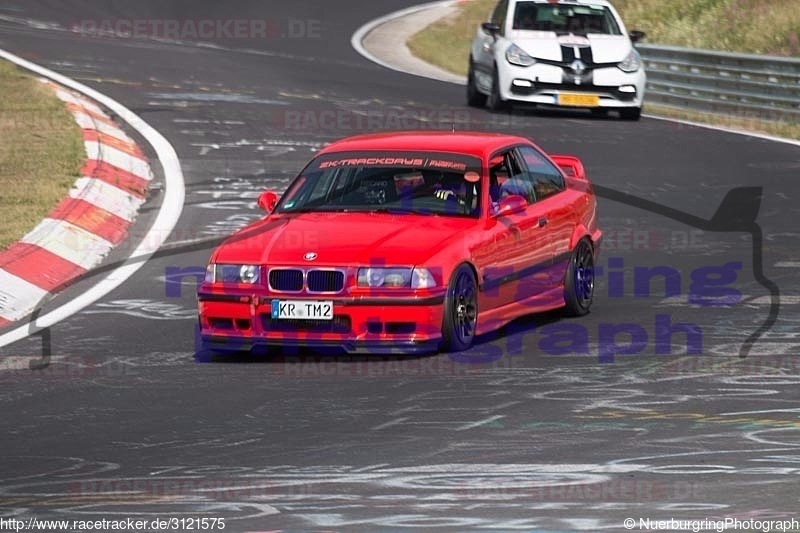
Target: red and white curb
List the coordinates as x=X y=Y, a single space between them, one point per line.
x=166 y=218
x=86 y=225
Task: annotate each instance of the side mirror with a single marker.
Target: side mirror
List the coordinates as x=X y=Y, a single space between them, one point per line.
x=510 y=205
x=637 y=35
x=492 y=28
x=267 y=201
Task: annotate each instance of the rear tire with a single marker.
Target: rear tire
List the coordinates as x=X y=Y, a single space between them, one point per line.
x=475 y=98
x=630 y=113
x=579 y=281
x=460 y=311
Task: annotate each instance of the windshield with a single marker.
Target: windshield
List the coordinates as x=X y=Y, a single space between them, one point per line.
x=561 y=18
x=425 y=183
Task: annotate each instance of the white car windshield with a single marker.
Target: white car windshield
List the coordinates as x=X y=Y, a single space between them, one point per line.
x=565 y=18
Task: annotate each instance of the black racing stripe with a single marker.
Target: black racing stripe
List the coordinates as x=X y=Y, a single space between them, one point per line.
x=567 y=54
x=567 y=57
x=587 y=56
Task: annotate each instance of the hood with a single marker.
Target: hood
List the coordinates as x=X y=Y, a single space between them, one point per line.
x=342 y=239
x=549 y=46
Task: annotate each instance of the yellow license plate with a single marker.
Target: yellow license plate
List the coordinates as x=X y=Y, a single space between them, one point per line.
x=579 y=100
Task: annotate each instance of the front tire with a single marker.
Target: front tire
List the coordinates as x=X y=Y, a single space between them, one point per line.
x=460 y=311
x=475 y=98
x=495 y=102
x=630 y=113
x=579 y=282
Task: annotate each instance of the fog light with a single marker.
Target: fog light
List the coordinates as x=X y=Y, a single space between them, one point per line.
x=522 y=83
x=629 y=89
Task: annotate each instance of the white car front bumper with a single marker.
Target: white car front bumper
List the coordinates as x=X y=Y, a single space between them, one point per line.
x=608 y=87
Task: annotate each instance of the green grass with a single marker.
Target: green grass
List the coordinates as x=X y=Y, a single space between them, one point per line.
x=446 y=43
x=777 y=129
x=751 y=26
x=41 y=152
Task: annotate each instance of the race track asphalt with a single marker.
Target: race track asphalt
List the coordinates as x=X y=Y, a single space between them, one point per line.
x=508 y=436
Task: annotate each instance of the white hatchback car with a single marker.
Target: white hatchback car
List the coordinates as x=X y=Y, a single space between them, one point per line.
x=570 y=53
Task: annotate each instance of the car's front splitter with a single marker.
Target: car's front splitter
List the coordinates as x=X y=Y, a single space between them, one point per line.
x=224 y=343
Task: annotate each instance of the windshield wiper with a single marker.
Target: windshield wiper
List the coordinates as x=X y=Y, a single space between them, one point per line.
x=398 y=210
x=318 y=209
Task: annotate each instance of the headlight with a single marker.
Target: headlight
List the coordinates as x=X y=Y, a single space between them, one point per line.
x=384 y=277
x=416 y=278
x=421 y=278
x=632 y=63
x=517 y=56
x=247 y=274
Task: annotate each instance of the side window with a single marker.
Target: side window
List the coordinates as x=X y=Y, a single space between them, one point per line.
x=507 y=175
x=544 y=176
x=499 y=14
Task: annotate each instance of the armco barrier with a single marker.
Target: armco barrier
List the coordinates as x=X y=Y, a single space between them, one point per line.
x=745 y=85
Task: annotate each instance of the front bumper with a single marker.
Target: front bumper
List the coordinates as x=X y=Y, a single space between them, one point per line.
x=543 y=84
x=380 y=325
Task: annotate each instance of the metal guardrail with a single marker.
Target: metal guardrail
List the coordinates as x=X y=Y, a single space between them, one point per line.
x=748 y=86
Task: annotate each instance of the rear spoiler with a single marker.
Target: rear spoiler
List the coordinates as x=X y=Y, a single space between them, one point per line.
x=571 y=166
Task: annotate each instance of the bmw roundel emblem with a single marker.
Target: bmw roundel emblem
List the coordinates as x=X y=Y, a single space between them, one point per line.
x=310 y=256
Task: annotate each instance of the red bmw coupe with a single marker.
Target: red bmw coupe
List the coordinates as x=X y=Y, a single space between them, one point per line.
x=406 y=242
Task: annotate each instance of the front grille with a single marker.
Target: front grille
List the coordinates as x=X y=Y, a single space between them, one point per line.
x=587 y=88
x=286 y=280
x=325 y=281
x=339 y=324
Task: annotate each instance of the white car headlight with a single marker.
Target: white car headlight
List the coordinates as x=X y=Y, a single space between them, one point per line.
x=247 y=274
x=632 y=63
x=517 y=56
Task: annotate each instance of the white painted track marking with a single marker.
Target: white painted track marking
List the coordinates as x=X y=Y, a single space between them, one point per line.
x=165 y=221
